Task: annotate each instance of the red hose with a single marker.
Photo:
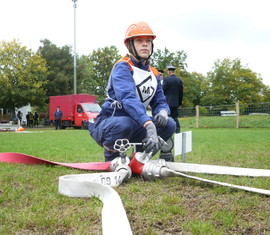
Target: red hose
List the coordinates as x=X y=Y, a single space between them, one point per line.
x=28 y=159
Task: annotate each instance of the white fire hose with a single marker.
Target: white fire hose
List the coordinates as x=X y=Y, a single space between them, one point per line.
x=217 y=170
x=114 y=218
x=159 y=169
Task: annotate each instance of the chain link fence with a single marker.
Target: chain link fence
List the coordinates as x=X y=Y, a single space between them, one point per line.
x=256 y=115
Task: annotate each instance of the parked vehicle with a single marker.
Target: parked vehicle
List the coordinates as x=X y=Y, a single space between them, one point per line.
x=75 y=108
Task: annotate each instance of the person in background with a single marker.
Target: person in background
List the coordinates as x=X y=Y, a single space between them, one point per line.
x=19 y=116
x=27 y=119
x=132 y=86
x=31 y=119
x=161 y=75
x=36 y=119
x=58 y=117
x=173 y=90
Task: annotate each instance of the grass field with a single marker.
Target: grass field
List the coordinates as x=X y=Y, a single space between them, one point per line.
x=30 y=202
x=245 y=121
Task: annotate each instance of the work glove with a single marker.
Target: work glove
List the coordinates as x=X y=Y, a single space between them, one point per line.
x=161 y=119
x=151 y=141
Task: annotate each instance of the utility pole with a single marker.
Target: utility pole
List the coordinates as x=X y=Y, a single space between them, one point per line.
x=75 y=57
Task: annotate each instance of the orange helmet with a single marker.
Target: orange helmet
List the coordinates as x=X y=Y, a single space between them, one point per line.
x=139 y=29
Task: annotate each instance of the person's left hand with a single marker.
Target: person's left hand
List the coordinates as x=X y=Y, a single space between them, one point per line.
x=161 y=119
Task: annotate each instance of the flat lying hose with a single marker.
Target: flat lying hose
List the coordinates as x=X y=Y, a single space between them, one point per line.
x=159 y=169
x=114 y=218
x=219 y=170
x=28 y=159
x=249 y=189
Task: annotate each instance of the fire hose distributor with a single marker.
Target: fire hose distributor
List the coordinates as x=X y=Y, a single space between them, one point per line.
x=139 y=158
x=138 y=161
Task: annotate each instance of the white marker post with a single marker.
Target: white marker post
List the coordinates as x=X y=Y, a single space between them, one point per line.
x=183 y=144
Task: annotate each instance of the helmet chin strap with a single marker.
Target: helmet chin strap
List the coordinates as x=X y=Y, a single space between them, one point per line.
x=134 y=52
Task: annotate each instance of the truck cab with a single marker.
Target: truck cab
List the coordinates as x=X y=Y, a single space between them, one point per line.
x=85 y=112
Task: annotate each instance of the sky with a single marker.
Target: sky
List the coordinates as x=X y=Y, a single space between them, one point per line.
x=206 y=30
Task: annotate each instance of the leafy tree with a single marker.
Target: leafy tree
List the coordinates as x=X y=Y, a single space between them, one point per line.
x=87 y=84
x=96 y=76
x=60 y=64
x=193 y=89
x=266 y=93
x=230 y=82
x=23 y=76
x=160 y=59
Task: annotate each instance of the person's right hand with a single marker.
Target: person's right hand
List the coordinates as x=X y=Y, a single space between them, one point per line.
x=151 y=141
x=161 y=119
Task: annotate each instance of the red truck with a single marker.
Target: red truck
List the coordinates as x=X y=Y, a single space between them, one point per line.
x=75 y=108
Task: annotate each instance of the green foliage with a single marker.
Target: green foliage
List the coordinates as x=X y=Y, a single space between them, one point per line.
x=230 y=82
x=99 y=65
x=203 y=110
x=266 y=93
x=161 y=59
x=31 y=78
x=192 y=82
x=22 y=76
x=86 y=85
x=193 y=89
x=60 y=68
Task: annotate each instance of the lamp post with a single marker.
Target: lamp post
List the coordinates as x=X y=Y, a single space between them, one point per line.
x=75 y=62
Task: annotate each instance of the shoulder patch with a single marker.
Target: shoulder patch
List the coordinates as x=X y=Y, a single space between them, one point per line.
x=128 y=61
x=154 y=70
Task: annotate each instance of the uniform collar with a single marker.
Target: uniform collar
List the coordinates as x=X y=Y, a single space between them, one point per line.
x=138 y=64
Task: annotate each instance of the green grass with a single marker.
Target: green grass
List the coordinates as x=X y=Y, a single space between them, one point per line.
x=30 y=202
x=246 y=121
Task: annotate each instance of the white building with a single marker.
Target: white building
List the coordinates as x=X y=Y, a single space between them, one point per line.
x=24 y=110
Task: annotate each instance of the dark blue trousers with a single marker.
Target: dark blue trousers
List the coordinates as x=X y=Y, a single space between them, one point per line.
x=108 y=129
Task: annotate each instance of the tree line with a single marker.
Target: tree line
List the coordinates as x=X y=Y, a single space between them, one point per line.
x=32 y=77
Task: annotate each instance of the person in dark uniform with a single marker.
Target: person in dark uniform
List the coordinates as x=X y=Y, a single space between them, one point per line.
x=19 y=116
x=58 y=116
x=173 y=90
x=36 y=119
x=161 y=75
x=27 y=119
